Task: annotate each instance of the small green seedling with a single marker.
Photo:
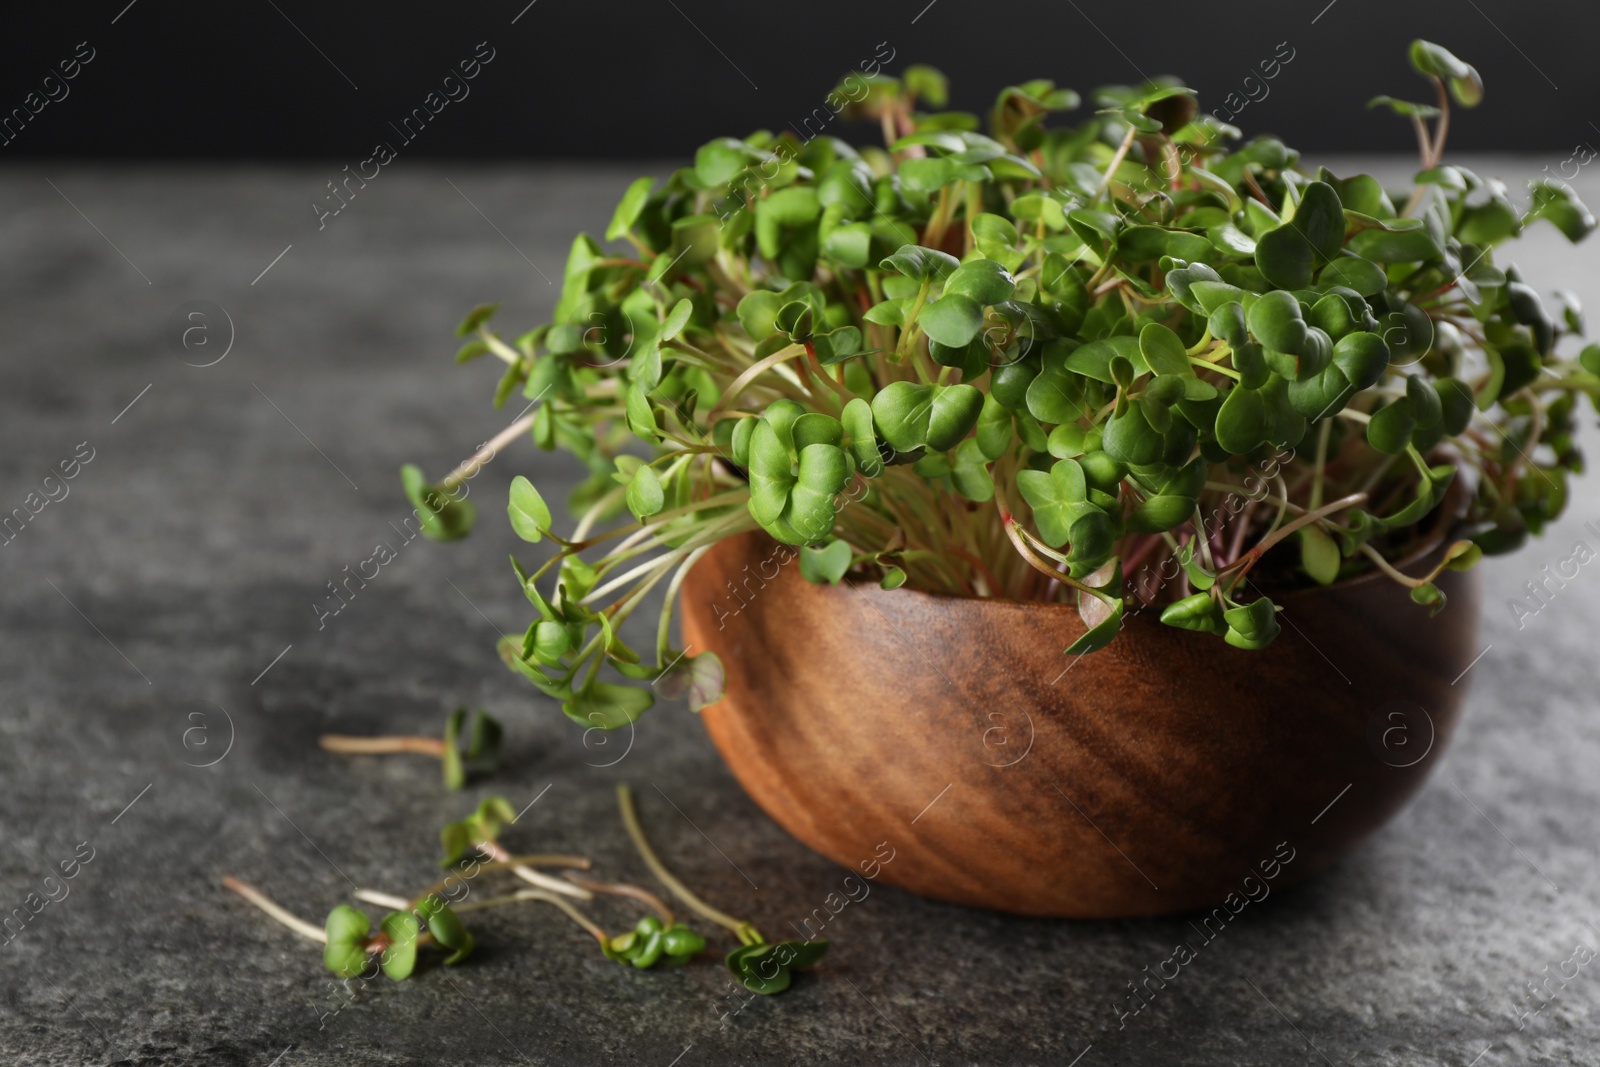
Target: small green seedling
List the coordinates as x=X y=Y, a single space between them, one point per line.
x=351 y=944
x=483 y=826
x=760 y=966
x=659 y=940
x=481 y=753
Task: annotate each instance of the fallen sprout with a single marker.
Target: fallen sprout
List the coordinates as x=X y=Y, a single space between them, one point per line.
x=653 y=940
x=480 y=831
x=306 y=930
x=761 y=966
x=481 y=753
x=349 y=943
x=650 y=943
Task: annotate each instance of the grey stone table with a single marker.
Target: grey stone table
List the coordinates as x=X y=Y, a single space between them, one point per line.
x=174 y=589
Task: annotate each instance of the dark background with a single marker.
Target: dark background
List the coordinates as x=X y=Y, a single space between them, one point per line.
x=289 y=79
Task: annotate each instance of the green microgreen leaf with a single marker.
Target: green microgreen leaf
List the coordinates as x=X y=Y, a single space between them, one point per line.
x=1199 y=611
x=445 y=515
x=345 y=952
x=768 y=968
x=923 y=264
x=607 y=705
x=1099 y=635
x=910 y=417
x=1252 y=626
x=476 y=318
x=984 y=281
x=446 y=928
x=399 y=957
x=645 y=495
x=1319 y=555
x=630 y=208
x=530 y=516
x=455 y=772
x=825 y=563
x=952 y=320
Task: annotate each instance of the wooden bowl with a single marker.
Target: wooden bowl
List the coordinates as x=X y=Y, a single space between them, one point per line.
x=1159 y=775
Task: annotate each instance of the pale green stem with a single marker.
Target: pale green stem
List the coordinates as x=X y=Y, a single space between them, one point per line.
x=1321 y=463
x=1387 y=568
x=663 y=628
x=474 y=463
x=1116 y=161
x=750 y=374
x=598 y=508
x=714 y=532
x=630 y=819
x=911 y=318
x=1248 y=560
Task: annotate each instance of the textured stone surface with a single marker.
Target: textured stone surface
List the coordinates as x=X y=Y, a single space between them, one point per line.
x=193 y=545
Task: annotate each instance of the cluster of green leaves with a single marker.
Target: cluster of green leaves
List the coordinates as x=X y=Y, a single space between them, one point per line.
x=1007 y=363
x=563 y=649
x=351 y=941
x=651 y=942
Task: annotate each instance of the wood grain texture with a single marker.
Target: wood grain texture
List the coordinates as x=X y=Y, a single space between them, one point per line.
x=1152 y=777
